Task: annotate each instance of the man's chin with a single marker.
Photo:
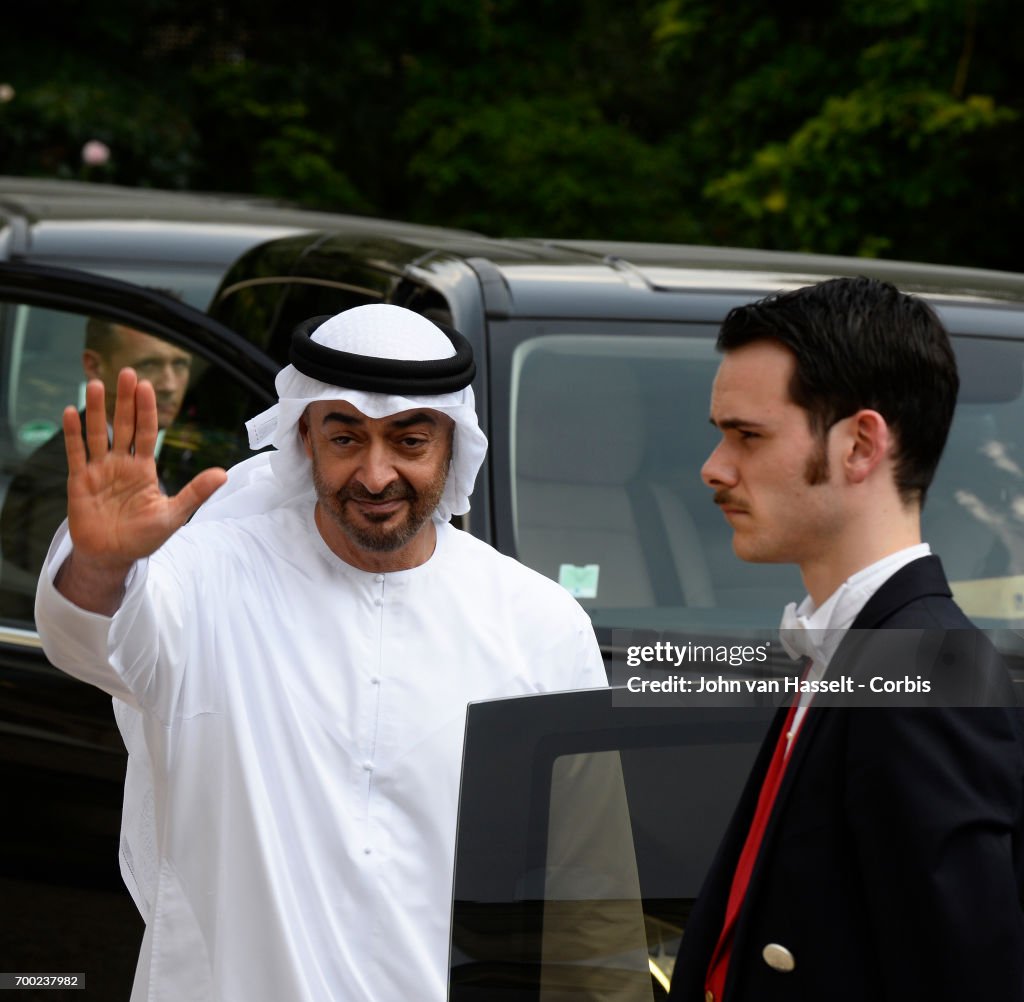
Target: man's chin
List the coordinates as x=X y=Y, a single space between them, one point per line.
x=166 y=416
x=745 y=547
x=379 y=543
x=749 y=552
x=374 y=535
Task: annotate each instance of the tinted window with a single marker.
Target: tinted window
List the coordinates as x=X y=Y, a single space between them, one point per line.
x=191 y=283
x=578 y=879
x=608 y=430
x=268 y=310
x=46 y=357
x=974 y=513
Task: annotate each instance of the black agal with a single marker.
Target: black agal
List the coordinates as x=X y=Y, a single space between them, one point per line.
x=382 y=375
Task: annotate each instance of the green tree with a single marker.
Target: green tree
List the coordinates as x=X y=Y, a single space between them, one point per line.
x=865 y=128
x=852 y=126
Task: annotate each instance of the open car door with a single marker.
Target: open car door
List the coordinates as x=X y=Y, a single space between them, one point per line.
x=585 y=830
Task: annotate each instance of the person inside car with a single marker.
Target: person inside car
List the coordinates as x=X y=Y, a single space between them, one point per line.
x=36 y=501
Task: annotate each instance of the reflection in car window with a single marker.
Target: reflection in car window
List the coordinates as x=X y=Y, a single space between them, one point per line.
x=47 y=356
x=623 y=866
x=194 y=284
x=269 y=309
x=594 y=945
x=608 y=433
x=608 y=437
x=586 y=827
x=974 y=513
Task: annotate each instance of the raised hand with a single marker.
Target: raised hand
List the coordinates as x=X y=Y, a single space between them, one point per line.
x=116 y=511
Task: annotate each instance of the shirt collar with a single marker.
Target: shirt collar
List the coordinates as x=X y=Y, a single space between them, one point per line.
x=806 y=631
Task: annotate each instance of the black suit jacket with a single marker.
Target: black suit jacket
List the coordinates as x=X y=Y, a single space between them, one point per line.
x=892 y=866
x=36 y=503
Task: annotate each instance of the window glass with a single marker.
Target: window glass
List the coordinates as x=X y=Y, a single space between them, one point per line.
x=191 y=284
x=268 y=310
x=623 y=867
x=593 y=938
x=47 y=355
x=586 y=828
x=974 y=513
x=608 y=430
x=251 y=308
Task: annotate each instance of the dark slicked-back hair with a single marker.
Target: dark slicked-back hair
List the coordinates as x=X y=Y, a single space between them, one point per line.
x=860 y=343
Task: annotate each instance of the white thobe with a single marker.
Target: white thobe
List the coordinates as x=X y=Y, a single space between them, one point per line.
x=305 y=721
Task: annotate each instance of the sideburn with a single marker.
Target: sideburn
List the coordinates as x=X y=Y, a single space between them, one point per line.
x=816 y=469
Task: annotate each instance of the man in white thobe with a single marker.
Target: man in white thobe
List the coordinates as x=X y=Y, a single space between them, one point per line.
x=291 y=668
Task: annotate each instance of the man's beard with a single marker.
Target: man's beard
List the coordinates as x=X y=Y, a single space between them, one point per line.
x=420 y=506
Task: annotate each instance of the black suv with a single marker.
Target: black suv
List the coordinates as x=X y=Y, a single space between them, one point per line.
x=595 y=363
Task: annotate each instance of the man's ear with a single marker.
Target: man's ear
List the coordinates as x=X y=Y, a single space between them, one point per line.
x=304 y=433
x=870 y=442
x=92 y=364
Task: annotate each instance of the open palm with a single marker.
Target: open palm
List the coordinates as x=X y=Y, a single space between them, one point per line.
x=116 y=510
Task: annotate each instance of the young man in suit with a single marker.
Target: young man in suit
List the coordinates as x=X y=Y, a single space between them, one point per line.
x=877 y=853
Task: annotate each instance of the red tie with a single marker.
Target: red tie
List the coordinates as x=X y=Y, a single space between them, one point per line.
x=714 y=982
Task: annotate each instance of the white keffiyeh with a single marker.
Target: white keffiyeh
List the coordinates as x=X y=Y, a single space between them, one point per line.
x=377 y=330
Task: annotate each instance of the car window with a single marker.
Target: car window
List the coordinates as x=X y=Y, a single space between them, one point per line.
x=46 y=357
x=193 y=284
x=974 y=512
x=578 y=879
x=269 y=309
x=608 y=429
x=607 y=432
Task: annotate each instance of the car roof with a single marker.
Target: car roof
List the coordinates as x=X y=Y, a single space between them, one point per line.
x=648 y=280
x=68 y=221
x=535 y=277
x=45 y=218
x=673 y=267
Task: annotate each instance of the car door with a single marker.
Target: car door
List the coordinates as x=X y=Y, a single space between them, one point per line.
x=586 y=825
x=62 y=760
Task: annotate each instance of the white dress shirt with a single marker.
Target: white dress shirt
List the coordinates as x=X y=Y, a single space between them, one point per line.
x=815 y=633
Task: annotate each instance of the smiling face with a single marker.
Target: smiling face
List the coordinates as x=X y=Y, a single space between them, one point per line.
x=378 y=481
x=771 y=475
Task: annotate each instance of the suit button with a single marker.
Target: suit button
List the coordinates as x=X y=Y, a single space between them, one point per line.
x=709 y=996
x=778 y=958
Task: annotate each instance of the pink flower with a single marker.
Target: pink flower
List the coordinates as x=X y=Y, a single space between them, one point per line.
x=95 y=153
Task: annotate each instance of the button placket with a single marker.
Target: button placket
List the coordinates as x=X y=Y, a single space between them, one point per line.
x=367 y=764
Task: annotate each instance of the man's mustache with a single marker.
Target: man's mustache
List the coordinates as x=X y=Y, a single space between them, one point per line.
x=723 y=498
x=393 y=492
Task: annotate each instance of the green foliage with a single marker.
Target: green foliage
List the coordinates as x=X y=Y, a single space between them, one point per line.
x=856 y=126
x=551 y=165
x=837 y=183
x=295 y=158
x=888 y=162
x=261 y=139
x=44 y=130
